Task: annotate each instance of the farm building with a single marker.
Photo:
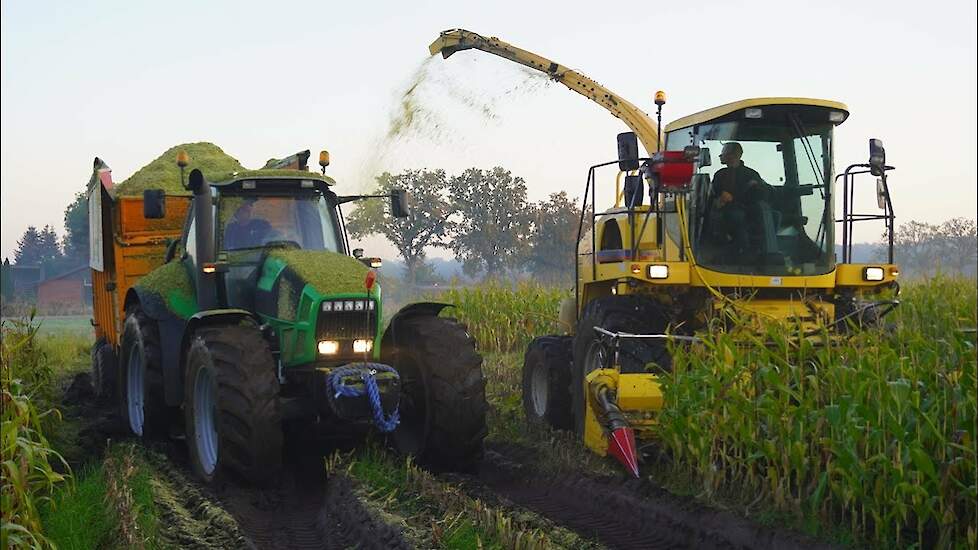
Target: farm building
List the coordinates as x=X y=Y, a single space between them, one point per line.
x=68 y=292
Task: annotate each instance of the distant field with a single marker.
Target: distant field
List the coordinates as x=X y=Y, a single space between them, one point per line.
x=74 y=325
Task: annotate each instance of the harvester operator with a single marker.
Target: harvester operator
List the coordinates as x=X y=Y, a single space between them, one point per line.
x=244 y=230
x=737 y=191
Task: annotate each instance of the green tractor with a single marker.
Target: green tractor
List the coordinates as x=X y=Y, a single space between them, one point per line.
x=260 y=314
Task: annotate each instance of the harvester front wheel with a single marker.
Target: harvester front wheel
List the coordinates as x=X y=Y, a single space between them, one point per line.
x=231 y=410
x=546 y=382
x=443 y=393
x=103 y=370
x=634 y=314
x=140 y=380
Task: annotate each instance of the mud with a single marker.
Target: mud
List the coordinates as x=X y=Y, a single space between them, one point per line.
x=626 y=513
x=348 y=523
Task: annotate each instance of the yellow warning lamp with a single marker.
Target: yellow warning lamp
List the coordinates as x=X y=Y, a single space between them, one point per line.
x=324 y=160
x=660 y=100
x=183 y=160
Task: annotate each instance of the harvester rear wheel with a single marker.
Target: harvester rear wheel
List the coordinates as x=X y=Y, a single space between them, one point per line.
x=443 y=393
x=546 y=381
x=634 y=314
x=140 y=380
x=103 y=370
x=231 y=410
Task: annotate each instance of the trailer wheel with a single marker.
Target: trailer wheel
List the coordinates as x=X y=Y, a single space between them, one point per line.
x=443 y=393
x=633 y=314
x=140 y=380
x=546 y=382
x=231 y=406
x=103 y=370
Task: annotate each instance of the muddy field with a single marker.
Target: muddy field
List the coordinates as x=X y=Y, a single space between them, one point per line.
x=309 y=508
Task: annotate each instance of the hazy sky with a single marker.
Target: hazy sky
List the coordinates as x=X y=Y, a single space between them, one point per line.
x=127 y=80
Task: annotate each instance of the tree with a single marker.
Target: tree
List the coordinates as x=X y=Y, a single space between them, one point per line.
x=29 y=248
x=553 y=239
x=426 y=225
x=75 y=242
x=492 y=220
x=959 y=244
x=50 y=247
x=6 y=282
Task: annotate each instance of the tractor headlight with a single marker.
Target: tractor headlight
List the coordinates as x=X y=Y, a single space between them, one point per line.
x=658 y=271
x=873 y=274
x=362 y=346
x=348 y=305
x=329 y=347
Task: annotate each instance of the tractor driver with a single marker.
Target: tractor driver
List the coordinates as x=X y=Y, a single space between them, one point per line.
x=244 y=230
x=737 y=190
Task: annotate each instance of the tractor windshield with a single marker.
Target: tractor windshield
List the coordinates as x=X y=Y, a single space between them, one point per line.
x=762 y=205
x=249 y=221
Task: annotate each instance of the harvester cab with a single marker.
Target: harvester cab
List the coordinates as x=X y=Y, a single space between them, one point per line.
x=733 y=209
x=258 y=312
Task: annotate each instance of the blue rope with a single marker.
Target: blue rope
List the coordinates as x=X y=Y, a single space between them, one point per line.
x=366 y=373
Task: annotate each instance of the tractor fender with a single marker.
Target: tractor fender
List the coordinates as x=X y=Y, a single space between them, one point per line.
x=171 y=328
x=431 y=309
x=173 y=385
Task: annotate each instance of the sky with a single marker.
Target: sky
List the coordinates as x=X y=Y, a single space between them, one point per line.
x=127 y=80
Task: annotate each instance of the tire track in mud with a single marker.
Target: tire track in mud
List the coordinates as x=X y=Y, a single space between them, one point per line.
x=304 y=510
x=625 y=513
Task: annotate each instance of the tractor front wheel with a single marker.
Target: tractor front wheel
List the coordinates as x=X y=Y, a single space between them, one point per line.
x=443 y=393
x=231 y=410
x=546 y=382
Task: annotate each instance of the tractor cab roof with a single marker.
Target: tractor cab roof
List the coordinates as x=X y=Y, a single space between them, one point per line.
x=260 y=175
x=732 y=109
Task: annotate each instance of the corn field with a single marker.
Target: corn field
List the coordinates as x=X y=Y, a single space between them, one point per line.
x=506 y=318
x=876 y=432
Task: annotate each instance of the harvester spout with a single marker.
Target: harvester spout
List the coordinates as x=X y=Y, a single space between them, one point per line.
x=621 y=438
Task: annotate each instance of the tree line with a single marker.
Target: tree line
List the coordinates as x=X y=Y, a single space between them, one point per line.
x=483 y=217
x=42 y=247
x=923 y=249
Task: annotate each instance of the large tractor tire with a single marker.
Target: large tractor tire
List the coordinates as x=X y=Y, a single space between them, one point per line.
x=443 y=393
x=547 y=382
x=103 y=370
x=634 y=314
x=231 y=410
x=140 y=380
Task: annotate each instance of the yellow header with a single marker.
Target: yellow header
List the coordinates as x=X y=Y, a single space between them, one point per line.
x=716 y=112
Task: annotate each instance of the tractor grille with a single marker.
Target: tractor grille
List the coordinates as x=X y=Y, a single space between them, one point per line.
x=337 y=324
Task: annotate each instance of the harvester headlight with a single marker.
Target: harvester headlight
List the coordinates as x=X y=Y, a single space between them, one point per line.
x=658 y=271
x=873 y=274
x=329 y=347
x=753 y=112
x=836 y=116
x=362 y=346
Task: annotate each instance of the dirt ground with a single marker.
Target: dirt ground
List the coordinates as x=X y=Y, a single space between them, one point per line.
x=308 y=510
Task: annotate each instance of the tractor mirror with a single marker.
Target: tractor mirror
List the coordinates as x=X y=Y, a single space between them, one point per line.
x=877 y=157
x=627 y=151
x=154 y=204
x=880 y=194
x=399 y=203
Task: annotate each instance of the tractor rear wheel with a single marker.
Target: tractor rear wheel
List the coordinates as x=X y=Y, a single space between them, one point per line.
x=103 y=370
x=634 y=314
x=140 y=380
x=232 y=415
x=443 y=393
x=546 y=382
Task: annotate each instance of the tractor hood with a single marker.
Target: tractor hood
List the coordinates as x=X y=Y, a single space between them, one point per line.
x=327 y=272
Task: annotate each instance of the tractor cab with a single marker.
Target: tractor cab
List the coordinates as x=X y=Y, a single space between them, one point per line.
x=761 y=198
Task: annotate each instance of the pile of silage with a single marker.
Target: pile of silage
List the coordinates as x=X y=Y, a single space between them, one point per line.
x=163 y=173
